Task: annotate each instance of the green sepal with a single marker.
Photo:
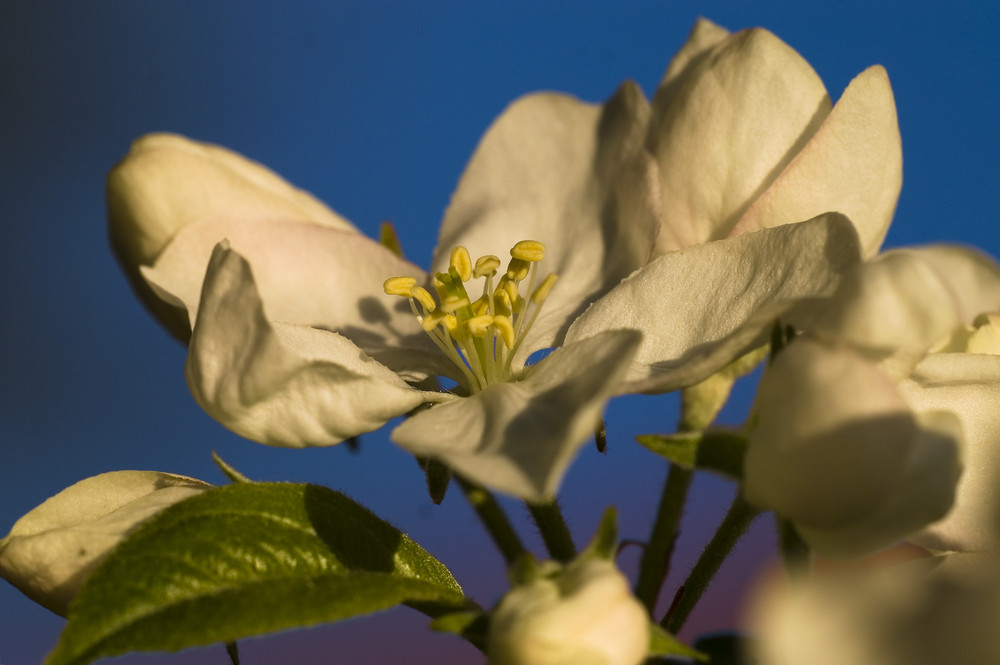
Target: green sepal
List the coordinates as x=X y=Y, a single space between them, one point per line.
x=388 y=238
x=604 y=544
x=662 y=643
x=720 y=451
x=472 y=626
x=230 y=471
x=243 y=560
x=438 y=477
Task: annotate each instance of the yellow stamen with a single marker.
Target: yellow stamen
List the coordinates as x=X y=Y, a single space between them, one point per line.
x=452 y=303
x=528 y=250
x=424 y=298
x=517 y=269
x=486 y=265
x=399 y=286
x=462 y=263
x=543 y=290
x=505 y=329
x=479 y=325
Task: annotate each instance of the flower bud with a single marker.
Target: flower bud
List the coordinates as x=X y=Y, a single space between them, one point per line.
x=49 y=552
x=585 y=613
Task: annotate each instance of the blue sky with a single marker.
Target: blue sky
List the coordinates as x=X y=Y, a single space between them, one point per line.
x=374 y=107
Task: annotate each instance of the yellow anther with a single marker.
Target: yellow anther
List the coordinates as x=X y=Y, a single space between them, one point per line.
x=505 y=329
x=486 y=265
x=528 y=250
x=399 y=286
x=431 y=321
x=517 y=269
x=510 y=294
x=543 y=290
x=424 y=298
x=462 y=262
x=479 y=325
x=481 y=306
x=439 y=285
x=450 y=323
x=451 y=303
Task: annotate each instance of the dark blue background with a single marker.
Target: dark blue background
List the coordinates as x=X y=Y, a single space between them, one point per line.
x=374 y=107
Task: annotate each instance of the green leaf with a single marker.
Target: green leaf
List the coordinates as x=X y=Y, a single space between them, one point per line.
x=720 y=451
x=243 y=560
x=662 y=643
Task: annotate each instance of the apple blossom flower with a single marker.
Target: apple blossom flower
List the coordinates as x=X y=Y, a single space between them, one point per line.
x=51 y=551
x=583 y=613
x=923 y=612
x=855 y=439
x=298 y=336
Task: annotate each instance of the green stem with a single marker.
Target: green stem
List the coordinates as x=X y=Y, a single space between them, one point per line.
x=551 y=524
x=656 y=557
x=733 y=526
x=493 y=518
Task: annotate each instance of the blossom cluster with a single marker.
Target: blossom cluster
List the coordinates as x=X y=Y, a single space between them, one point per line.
x=650 y=245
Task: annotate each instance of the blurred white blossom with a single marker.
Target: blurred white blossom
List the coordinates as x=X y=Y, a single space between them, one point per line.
x=584 y=613
x=49 y=552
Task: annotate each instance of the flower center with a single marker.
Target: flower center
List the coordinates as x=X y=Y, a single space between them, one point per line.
x=480 y=336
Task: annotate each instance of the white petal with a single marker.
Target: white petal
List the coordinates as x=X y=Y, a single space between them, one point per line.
x=168 y=182
x=571 y=175
x=968 y=385
x=314 y=276
x=520 y=437
x=836 y=450
x=282 y=384
x=852 y=165
x=732 y=122
x=702 y=307
x=704 y=36
x=51 y=550
x=904 y=302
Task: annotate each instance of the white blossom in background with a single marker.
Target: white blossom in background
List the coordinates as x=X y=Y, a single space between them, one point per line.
x=295 y=342
x=925 y=612
x=854 y=438
x=49 y=552
x=584 y=613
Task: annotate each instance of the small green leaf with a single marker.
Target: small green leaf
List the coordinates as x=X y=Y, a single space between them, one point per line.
x=680 y=448
x=662 y=643
x=715 y=450
x=243 y=560
x=388 y=238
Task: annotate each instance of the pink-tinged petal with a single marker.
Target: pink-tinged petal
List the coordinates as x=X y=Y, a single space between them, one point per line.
x=702 y=307
x=725 y=128
x=836 y=450
x=968 y=385
x=283 y=384
x=520 y=437
x=571 y=175
x=51 y=551
x=314 y=276
x=168 y=182
x=852 y=165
